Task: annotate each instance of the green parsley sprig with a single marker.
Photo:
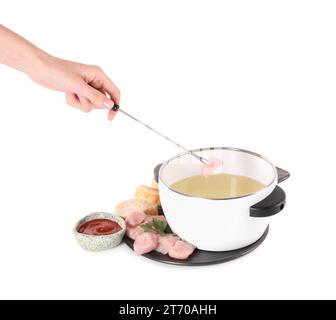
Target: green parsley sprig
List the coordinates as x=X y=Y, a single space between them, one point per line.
x=158 y=226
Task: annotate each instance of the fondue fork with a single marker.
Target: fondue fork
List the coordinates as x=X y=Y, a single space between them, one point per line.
x=117 y=108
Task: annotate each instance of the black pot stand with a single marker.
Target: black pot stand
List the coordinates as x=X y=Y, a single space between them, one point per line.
x=271 y=205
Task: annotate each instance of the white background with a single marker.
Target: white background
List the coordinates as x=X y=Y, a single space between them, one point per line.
x=258 y=75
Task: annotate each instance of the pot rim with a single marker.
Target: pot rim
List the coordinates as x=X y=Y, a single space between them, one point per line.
x=220 y=148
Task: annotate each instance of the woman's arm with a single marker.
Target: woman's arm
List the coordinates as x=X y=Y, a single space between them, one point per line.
x=85 y=86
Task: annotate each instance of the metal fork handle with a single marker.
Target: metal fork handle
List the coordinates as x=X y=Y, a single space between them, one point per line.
x=116 y=108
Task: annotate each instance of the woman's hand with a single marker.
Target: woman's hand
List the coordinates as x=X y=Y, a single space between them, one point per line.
x=86 y=87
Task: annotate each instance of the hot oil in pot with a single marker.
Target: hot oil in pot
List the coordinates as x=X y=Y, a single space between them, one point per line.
x=217 y=186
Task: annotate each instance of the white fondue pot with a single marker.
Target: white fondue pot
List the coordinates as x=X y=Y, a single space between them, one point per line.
x=221 y=224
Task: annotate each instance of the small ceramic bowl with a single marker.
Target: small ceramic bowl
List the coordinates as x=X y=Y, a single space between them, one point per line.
x=100 y=243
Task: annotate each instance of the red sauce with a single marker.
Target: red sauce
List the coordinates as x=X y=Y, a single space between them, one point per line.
x=99 y=227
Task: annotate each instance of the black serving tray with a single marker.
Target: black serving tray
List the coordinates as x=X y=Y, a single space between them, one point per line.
x=201 y=257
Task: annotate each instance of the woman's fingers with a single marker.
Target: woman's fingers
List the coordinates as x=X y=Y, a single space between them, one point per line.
x=111 y=114
x=96 y=97
x=111 y=88
x=79 y=102
x=85 y=103
x=95 y=90
x=113 y=92
x=72 y=100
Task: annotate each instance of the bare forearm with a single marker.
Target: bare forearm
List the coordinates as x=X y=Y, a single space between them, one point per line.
x=18 y=53
x=86 y=87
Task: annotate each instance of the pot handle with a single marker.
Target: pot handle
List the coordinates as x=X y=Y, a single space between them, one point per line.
x=275 y=202
x=282 y=175
x=270 y=206
x=156 y=172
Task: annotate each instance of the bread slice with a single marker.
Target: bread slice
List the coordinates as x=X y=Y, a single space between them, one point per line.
x=123 y=208
x=148 y=193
